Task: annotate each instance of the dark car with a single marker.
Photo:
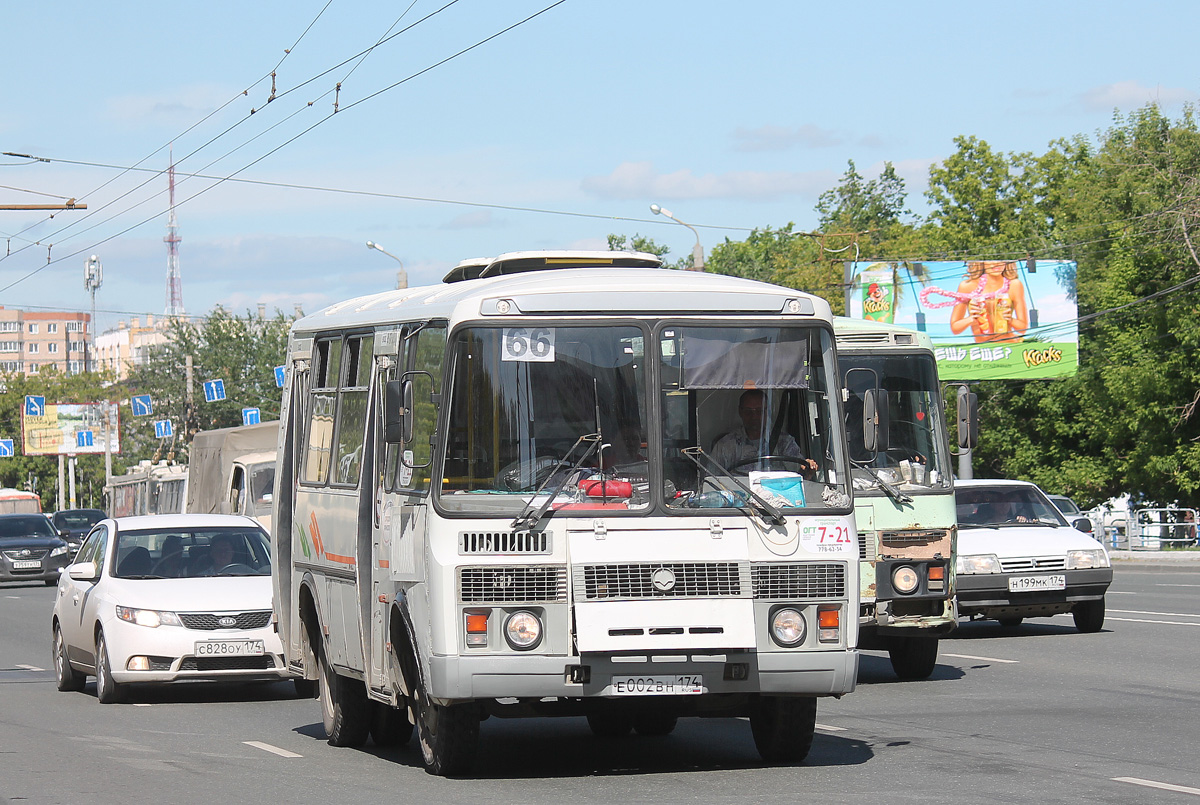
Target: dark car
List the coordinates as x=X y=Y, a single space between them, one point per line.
x=30 y=549
x=73 y=525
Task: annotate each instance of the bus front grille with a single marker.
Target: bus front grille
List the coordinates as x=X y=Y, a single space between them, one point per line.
x=503 y=542
x=660 y=580
x=512 y=583
x=800 y=580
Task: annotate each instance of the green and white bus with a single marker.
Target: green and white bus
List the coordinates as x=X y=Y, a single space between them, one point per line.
x=496 y=496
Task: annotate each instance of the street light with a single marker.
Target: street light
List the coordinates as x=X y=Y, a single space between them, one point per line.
x=697 y=250
x=401 y=276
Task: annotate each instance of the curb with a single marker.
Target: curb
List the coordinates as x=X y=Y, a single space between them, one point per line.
x=1155 y=556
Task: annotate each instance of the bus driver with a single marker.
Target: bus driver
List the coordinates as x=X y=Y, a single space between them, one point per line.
x=743 y=445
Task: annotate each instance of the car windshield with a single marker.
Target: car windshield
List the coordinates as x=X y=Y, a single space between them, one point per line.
x=34 y=525
x=997 y=506
x=81 y=519
x=192 y=552
x=1065 y=505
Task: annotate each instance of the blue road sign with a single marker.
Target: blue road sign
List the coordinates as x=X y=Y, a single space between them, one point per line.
x=141 y=405
x=250 y=416
x=280 y=375
x=35 y=406
x=214 y=390
x=162 y=429
x=83 y=438
x=6 y=448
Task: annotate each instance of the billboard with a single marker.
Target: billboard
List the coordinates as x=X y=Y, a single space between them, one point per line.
x=989 y=319
x=67 y=429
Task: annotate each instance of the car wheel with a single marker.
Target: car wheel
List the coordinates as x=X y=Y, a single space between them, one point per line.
x=655 y=723
x=783 y=727
x=913 y=657
x=66 y=677
x=108 y=690
x=1010 y=623
x=51 y=582
x=1089 y=615
x=610 y=724
x=389 y=726
x=345 y=709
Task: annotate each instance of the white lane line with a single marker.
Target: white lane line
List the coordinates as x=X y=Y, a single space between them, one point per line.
x=275 y=750
x=1121 y=592
x=30 y=667
x=1156 y=585
x=973 y=657
x=1162 y=614
x=1182 y=789
x=13 y=597
x=828 y=728
x=142 y=704
x=1146 y=620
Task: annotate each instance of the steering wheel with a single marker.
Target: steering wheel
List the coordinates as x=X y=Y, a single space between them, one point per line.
x=801 y=463
x=236 y=569
x=509 y=478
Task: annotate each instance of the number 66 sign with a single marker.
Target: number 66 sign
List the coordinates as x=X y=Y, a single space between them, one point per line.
x=528 y=344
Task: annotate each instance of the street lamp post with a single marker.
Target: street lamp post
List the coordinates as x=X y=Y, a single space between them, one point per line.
x=401 y=276
x=697 y=250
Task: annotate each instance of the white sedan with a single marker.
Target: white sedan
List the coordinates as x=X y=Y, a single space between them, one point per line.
x=166 y=598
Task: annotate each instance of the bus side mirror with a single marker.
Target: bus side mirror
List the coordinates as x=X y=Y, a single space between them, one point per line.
x=968 y=419
x=397 y=425
x=875 y=421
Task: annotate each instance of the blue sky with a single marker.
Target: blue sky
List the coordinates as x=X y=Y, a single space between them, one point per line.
x=551 y=135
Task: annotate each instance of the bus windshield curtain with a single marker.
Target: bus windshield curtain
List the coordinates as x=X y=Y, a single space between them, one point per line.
x=715 y=363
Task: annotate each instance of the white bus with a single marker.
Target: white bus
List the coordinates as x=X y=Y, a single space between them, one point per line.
x=497 y=497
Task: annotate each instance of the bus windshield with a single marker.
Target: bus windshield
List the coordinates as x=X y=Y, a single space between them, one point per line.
x=916 y=453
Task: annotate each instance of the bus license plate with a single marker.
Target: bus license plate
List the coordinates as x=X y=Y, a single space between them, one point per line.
x=230 y=648
x=26 y=564
x=677 y=685
x=1022 y=584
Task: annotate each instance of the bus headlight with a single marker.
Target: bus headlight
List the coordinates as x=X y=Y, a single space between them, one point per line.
x=523 y=630
x=905 y=580
x=788 y=627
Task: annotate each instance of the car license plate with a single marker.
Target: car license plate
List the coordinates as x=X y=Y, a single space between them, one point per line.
x=1022 y=584
x=230 y=648
x=26 y=564
x=677 y=685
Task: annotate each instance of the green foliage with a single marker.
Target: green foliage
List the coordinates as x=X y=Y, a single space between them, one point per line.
x=638 y=243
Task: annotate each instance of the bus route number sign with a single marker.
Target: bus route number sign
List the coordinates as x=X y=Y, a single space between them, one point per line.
x=828 y=535
x=528 y=344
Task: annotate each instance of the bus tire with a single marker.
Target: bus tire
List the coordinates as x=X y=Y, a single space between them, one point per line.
x=1010 y=623
x=610 y=723
x=448 y=735
x=783 y=727
x=1089 y=616
x=389 y=726
x=655 y=723
x=913 y=657
x=345 y=709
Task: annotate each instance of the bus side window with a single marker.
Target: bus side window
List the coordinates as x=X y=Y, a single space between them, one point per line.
x=322 y=405
x=428 y=355
x=352 y=410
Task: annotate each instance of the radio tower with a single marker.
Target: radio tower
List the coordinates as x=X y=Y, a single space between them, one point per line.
x=174 y=280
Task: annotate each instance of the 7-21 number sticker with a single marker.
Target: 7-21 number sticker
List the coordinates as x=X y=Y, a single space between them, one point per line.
x=528 y=344
x=828 y=536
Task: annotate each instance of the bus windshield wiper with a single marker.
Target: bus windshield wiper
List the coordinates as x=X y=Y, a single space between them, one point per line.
x=696 y=453
x=891 y=491
x=528 y=516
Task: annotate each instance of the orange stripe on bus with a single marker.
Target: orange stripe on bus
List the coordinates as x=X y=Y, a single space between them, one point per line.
x=345 y=560
x=384 y=563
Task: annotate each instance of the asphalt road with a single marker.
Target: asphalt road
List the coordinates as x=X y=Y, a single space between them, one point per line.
x=1035 y=714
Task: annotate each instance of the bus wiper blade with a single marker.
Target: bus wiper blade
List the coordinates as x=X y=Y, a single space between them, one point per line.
x=528 y=517
x=696 y=453
x=891 y=491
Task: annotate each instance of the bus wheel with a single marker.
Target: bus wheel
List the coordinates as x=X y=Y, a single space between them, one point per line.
x=783 y=727
x=913 y=657
x=345 y=709
x=610 y=724
x=655 y=723
x=448 y=735
x=389 y=726
x=1010 y=623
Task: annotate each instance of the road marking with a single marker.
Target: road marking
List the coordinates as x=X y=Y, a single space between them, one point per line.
x=275 y=750
x=1156 y=585
x=1146 y=620
x=1182 y=789
x=142 y=704
x=1163 y=614
x=828 y=728
x=30 y=667
x=1121 y=592
x=13 y=597
x=973 y=657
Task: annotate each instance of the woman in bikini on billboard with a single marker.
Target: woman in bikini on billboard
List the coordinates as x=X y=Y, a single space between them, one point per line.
x=991 y=302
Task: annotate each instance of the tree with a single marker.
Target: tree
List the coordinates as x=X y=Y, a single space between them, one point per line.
x=621 y=243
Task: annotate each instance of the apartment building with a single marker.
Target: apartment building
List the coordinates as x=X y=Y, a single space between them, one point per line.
x=129 y=344
x=31 y=341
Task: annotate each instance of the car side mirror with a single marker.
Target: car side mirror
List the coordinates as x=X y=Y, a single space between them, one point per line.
x=1082 y=524
x=83 y=571
x=63 y=532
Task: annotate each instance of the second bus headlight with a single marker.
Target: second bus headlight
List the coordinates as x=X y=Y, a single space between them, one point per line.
x=905 y=580
x=788 y=627
x=523 y=630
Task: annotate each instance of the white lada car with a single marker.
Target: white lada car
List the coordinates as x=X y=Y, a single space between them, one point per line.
x=166 y=598
x=1018 y=557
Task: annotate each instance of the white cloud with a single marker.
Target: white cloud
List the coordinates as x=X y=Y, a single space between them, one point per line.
x=780 y=138
x=638 y=180
x=1130 y=94
x=480 y=219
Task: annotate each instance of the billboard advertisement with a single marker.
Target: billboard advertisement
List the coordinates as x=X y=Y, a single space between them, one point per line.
x=989 y=319
x=66 y=429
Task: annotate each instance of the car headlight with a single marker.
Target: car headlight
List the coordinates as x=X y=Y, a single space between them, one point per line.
x=60 y=550
x=788 y=627
x=984 y=563
x=905 y=580
x=523 y=630
x=1077 y=560
x=148 y=617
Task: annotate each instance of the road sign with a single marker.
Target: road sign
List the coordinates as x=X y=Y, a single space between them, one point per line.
x=214 y=390
x=6 y=448
x=250 y=416
x=83 y=438
x=162 y=429
x=280 y=375
x=35 y=406
x=141 y=405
